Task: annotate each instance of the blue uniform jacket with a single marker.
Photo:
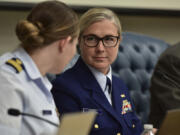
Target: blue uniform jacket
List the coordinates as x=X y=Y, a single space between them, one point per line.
x=77 y=90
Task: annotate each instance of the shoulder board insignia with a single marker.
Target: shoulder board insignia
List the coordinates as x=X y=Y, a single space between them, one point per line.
x=16 y=64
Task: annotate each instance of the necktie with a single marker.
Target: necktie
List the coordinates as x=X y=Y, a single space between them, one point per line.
x=108 y=85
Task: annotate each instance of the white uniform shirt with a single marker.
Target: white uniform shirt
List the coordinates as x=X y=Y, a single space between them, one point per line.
x=101 y=79
x=29 y=92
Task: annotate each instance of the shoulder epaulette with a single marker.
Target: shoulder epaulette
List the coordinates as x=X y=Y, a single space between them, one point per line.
x=16 y=64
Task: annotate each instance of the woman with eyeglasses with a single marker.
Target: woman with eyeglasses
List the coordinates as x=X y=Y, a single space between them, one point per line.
x=90 y=85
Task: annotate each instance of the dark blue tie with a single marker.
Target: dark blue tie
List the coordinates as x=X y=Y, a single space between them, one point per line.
x=108 y=84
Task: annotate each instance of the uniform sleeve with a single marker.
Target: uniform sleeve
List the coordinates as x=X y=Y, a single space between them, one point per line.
x=10 y=97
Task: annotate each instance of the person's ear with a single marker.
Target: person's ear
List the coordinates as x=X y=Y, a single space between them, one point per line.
x=63 y=42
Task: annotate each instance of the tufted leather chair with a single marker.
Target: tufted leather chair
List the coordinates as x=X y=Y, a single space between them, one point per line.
x=135 y=62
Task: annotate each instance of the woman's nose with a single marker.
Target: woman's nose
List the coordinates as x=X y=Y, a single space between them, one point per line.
x=100 y=45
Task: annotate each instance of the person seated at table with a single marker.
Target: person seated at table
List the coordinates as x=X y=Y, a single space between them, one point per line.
x=48 y=38
x=90 y=85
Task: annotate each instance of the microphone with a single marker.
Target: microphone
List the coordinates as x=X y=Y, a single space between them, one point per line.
x=16 y=112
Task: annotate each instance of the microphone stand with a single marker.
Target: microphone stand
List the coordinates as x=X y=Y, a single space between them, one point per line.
x=16 y=112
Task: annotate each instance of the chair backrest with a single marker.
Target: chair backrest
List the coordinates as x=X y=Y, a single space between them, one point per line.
x=135 y=62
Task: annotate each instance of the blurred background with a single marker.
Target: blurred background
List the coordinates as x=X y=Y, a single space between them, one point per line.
x=157 y=18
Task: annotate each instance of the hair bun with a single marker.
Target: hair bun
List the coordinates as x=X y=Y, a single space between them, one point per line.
x=27 y=31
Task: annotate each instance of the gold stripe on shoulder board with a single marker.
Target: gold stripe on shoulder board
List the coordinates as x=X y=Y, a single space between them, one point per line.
x=16 y=64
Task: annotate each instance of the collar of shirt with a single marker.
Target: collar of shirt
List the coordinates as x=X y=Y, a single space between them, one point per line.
x=100 y=77
x=30 y=67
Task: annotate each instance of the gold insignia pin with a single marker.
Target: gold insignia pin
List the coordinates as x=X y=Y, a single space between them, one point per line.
x=96 y=126
x=122 y=95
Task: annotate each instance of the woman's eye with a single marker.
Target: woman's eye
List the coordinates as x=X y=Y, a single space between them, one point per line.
x=91 y=38
x=109 y=39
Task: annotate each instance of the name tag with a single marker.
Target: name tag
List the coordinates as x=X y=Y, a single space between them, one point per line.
x=46 y=112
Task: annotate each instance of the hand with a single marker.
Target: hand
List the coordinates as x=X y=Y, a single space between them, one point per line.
x=154 y=130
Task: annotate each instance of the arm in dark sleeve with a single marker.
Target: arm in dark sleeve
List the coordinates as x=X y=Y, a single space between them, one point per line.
x=166 y=82
x=165 y=89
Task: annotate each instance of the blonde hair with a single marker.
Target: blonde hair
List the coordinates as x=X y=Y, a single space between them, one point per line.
x=98 y=14
x=47 y=22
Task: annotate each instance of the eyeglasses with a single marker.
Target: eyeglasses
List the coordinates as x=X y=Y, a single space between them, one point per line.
x=93 y=40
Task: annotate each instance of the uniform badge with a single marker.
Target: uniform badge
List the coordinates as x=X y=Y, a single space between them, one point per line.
x=46 y=112
x=126 y=107
x=122 y=95
x=16 y=64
